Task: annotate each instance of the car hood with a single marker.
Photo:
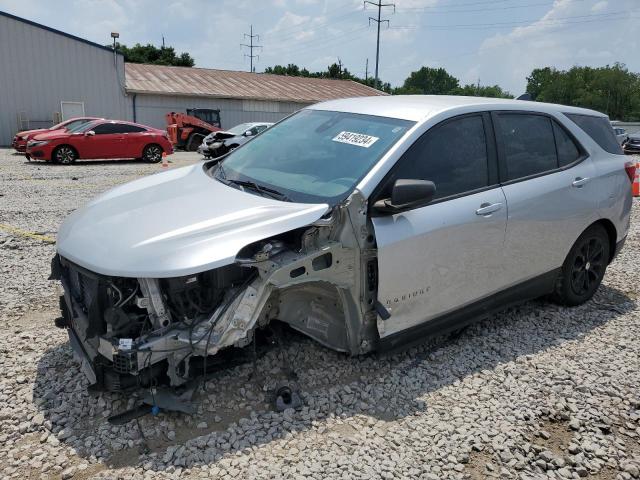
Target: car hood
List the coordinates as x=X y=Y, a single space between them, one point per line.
x=30 y=132
x=52 y=135
x=174 y=223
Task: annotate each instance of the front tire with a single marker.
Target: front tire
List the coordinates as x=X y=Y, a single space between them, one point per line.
x=584 y=267
x=64 y=155
x=193 y=142
x=152 y=153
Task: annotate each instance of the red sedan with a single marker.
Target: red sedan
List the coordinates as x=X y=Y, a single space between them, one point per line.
x=100 y=139
x=20 y=139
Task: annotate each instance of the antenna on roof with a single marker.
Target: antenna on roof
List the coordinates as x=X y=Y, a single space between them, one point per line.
x=525 y=96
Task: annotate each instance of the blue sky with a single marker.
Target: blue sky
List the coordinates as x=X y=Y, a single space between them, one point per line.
x=494 y=41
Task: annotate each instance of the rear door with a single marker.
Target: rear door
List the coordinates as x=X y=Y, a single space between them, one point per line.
x=448 y=254
x=548 y=181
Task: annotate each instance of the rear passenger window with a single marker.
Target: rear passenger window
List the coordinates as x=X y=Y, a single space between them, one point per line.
x=528 y=144
x=599 y=129
x=452 y=155
x=125 y=128
x=568 y=151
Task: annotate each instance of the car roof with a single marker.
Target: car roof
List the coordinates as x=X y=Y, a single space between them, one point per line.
x=422 y=107
x=102 y=120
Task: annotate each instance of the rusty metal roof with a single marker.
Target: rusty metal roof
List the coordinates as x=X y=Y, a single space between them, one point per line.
x=204 y=82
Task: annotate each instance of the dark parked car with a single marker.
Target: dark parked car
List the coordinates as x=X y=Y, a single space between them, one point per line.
x=217 y=144
x=632 y=144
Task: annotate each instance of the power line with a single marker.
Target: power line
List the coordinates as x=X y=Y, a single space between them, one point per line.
x=251 y=46
x=378 y=21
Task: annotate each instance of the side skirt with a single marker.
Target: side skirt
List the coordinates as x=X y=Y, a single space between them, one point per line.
x=534 y=288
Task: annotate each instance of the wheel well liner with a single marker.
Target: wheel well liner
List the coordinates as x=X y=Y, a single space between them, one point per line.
x=611 y=233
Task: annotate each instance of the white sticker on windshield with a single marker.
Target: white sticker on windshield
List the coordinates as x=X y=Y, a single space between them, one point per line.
x=358 y=139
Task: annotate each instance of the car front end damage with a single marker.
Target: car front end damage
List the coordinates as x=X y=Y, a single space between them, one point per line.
x=320 y=279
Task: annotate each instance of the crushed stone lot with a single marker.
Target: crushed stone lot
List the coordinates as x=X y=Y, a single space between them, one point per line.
x=538 y=391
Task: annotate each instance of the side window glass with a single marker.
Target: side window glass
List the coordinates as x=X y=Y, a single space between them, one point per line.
x=452 y=155
x=599 y=129
x=124 y=128
x=104 y=129
x=568 y=151
x=528 y=143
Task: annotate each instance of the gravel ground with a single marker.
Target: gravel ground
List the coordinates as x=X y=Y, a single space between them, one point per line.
x=538 y=391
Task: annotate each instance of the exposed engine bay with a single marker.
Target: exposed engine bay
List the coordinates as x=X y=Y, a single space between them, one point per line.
x=132 y=333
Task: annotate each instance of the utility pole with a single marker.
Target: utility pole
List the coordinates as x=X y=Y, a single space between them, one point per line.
x=379 y=4
x=251 y=46
x=163 y=42
x=339 y=68
x=366 y=72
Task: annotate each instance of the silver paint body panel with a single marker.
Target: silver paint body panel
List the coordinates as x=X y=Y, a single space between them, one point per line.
x=173 y=224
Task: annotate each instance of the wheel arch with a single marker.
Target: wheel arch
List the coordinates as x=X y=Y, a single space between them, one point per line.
x=58 y=147
x=612 y=233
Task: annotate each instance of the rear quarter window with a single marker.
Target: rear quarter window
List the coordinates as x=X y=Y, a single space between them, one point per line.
x=599 y=129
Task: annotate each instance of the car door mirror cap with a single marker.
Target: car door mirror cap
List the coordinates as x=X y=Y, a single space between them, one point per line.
x=90 y=133
x=248 y=133
x=407 y=194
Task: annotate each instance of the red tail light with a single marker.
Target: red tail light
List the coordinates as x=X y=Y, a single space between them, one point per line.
x=630 y=168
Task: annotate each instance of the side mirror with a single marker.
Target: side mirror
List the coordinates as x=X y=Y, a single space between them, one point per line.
x=90 y=133
x=248 y=133
x=406 y=195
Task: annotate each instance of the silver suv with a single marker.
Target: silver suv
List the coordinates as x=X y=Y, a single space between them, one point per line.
x=363 y=223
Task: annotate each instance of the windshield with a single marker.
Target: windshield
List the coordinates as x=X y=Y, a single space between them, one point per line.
x=240 y=129
x=315 y=155
x=71 y=126
x=84 y=126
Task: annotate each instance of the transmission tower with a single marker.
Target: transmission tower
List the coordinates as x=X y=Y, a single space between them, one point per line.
x=378 y=20
x=251 y=46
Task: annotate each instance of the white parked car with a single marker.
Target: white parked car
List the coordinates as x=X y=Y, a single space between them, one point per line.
x=221 y=142
x=364 y=223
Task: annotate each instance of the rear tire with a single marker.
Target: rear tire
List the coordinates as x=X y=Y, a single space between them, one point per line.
x=584 y=267
x=64 y=155
x=152 y=153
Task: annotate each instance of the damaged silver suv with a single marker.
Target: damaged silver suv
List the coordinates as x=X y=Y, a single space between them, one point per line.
x=363 y=223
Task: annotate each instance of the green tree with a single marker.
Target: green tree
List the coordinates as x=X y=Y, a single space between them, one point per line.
x=613 y=90
x=154 y=55
x=470 y=90
x=334 y=71
x=429 y=81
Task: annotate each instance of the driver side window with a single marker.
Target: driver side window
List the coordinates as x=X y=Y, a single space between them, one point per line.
x=453 y=155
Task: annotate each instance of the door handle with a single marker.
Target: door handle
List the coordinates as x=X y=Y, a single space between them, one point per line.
x=488 y=208
x=579 y=182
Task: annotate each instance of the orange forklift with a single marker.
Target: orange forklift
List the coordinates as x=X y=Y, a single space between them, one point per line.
x=187 y=130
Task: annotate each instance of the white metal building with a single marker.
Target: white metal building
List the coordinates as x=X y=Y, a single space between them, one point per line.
x=47 y=76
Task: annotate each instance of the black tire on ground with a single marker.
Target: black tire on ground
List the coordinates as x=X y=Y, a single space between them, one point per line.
x=152 y=153
x=584 y=267
x=193 y=142
x=64 y=154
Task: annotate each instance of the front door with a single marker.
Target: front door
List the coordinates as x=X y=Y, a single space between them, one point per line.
x=448 y=254
x=108 y=142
